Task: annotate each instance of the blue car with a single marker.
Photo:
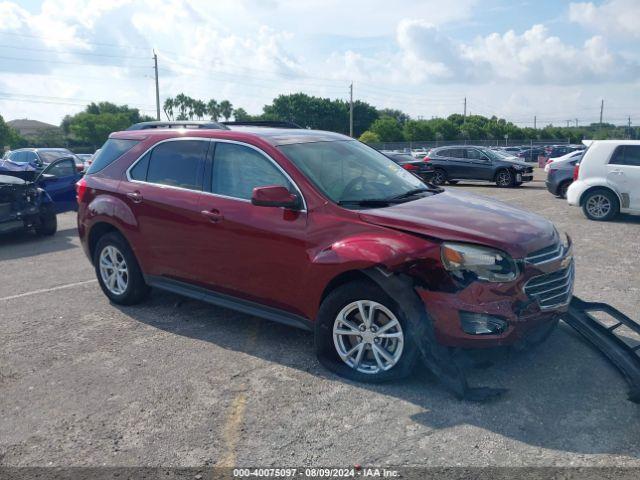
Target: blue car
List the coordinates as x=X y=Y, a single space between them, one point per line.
x=30 y=198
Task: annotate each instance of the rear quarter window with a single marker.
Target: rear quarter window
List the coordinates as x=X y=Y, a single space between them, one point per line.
x=113 y=149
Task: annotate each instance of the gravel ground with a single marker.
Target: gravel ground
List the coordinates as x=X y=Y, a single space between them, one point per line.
x=182 y=383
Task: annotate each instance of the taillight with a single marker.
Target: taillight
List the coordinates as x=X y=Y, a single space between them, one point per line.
x=426 y=159
x=81 y=188
x=408 y=166
x=576 y=171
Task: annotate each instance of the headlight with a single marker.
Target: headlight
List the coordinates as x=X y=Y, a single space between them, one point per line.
x=473 y=262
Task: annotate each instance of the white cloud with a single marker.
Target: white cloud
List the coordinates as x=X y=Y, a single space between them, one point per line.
x=534 y=56
x=613 y=17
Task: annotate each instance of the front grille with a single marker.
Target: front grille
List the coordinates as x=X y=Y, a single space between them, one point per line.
x=552 y=289
x=547 y=254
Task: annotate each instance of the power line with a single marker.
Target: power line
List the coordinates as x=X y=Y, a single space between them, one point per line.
x=62 y=62
x=49 y=50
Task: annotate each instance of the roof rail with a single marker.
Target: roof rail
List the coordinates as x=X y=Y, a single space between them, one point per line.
x=263 y=123
x=195 y=124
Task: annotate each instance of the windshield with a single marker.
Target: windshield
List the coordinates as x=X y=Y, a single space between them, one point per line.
x=349 y=171
x=49 y=156
x=496 y=154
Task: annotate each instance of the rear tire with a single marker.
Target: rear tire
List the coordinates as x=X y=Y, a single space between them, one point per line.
x=505 y=179
x=600 y=205
x=118 y=272
x=47 y=223
x=332 y=345
x=562 y=189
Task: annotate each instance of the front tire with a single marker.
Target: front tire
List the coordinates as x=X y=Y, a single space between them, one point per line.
x=362 y=334
x=439 y=177
x=600 y=205
x=118 y=272
x=47 y=222
x=505 y=179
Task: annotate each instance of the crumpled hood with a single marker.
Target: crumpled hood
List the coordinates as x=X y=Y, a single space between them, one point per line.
x=464 y=217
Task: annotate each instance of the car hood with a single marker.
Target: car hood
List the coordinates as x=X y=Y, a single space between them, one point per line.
x=11 y=180
x=464 y=217
x=515 y=162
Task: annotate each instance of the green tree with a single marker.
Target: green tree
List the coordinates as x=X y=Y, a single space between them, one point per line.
x=199 y=109
x=417 y=130
x=388 y=129
x=369 y=137
x=363 y=116
x=213 y=110
x=241 y=115
x=399 y=115
x=226 y=109
x=93 y=126
x=168 y=108
x=9 y=137
x=444 y=129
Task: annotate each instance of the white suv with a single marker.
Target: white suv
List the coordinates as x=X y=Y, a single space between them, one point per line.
x=607 y=180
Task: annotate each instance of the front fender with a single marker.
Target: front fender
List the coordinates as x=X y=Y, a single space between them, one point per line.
x=44 y=196
x=372 y=249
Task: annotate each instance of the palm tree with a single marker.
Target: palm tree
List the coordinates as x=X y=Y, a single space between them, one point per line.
x=190 y=105
x=181 y=101
x=213 y=110
x=199 y=109
x=168 y=108
x=226 y=109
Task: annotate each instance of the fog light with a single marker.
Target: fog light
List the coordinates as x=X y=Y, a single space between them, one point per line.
x=481 y=324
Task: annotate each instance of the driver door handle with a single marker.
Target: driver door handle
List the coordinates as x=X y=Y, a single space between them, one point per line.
x=213 y=215
x=136 y=197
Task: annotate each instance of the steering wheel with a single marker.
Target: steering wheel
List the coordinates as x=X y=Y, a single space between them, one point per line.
x=352 y=185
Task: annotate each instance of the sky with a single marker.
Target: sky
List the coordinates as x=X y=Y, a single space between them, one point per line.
x=548 y=59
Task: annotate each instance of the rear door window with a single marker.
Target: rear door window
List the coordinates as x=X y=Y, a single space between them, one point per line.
x=178 y=164
x=113 y=149
x=626 y=155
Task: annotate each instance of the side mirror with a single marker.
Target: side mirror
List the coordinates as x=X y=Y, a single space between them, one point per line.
x=274 y=196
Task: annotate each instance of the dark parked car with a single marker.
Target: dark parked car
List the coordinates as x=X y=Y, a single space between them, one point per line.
x=531 y=154
x=38 y=157
x=560 y=176
x=417 y=166
x=560 y=150
x=452 y=164
x=317 y=230
x=31 y=199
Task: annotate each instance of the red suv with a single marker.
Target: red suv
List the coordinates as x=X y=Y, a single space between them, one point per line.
x=319 y=231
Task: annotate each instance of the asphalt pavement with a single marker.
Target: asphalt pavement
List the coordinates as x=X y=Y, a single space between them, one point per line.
x=176 y=382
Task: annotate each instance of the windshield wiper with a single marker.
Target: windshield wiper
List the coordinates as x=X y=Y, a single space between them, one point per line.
x=367 y=202
x=415 y=191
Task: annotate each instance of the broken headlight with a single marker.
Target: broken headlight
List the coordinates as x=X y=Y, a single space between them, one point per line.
x=468 y=262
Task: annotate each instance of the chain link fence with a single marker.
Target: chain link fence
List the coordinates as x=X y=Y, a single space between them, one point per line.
x=408 y=146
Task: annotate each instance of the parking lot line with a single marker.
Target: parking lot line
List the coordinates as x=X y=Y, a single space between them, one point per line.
x=52 y=289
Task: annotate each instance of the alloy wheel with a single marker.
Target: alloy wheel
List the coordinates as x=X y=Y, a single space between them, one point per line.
x=114 y=270
x=598 y=206
x=438 y=178
x=504 y=179
x=368 y=337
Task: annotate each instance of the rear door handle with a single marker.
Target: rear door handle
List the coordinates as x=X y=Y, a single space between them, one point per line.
x=136 y=197
x=617 y=172
x=213 y=215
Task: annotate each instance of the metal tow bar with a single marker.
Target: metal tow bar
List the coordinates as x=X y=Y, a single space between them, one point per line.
x=625 y=355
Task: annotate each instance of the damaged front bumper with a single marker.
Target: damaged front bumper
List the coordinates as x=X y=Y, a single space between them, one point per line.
x=614 y=334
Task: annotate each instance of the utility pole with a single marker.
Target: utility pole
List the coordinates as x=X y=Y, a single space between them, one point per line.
x=465 y=109
x=629 y=127
x=535 y=122
x=155 y=67
x=351 y=110
x=568 y=123
x=576 y=123
x=601 y=109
